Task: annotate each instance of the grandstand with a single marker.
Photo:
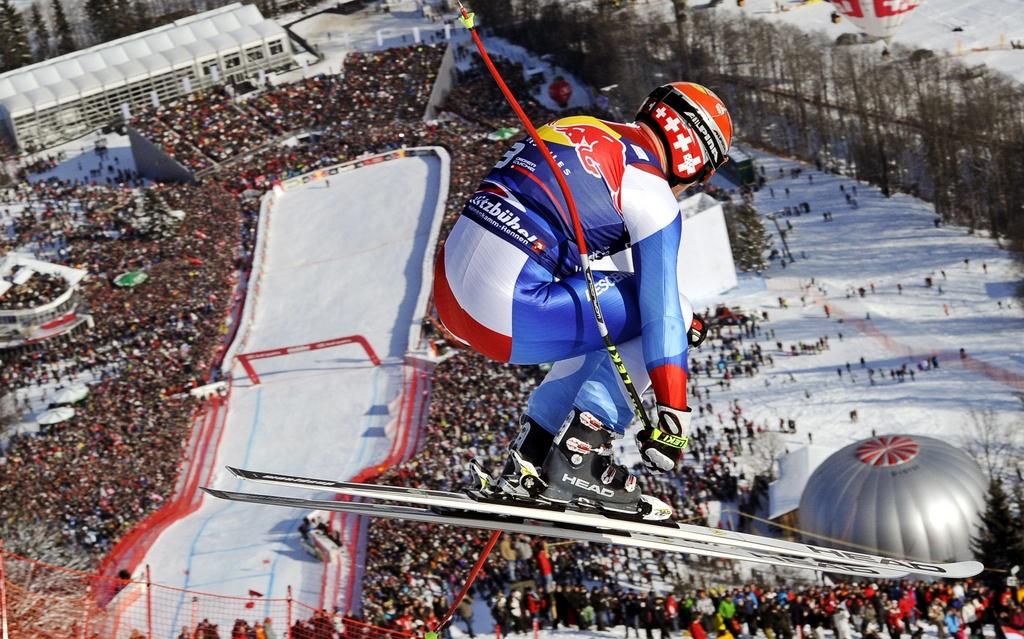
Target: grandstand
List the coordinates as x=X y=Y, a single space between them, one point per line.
x=62 y=98
x=38 y=300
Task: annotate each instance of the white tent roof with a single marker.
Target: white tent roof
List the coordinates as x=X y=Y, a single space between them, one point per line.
x=794 y=471
x=18 y=103
x=42 y=97
x=23 y=262
x=23 y=275
x=55 y=415
x=113 y=63
x=697 y=203
x=87 y=84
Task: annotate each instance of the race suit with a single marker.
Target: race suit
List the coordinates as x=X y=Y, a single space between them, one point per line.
x=508 y=280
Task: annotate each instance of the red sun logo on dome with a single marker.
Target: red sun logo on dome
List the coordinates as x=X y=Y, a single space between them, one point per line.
x=888 y=450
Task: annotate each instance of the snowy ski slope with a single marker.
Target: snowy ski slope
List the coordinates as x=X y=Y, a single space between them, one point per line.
x=885 y=243
x=344 y=257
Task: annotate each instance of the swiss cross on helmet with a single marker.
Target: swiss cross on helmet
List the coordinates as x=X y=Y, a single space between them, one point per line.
x=694 y=128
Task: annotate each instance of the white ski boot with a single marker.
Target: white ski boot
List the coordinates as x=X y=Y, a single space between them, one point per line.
x=521 y=476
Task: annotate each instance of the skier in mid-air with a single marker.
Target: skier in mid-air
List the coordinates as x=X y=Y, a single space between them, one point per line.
x=508 y=283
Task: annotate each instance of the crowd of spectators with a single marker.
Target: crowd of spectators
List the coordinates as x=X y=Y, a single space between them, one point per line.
x=373 y=89
x=146 y=344
x=866 y=609
x=149 y=342
x=142 y=347
x=475 y=408
x=41 y=288
x=318 y=625
x=202 y=127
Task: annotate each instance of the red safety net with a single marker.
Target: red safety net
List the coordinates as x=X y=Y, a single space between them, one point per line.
x=41 y=601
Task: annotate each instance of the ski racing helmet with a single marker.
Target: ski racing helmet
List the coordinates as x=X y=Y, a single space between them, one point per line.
x=694 y=128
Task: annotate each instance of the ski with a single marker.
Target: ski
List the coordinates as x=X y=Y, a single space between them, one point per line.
x=668 y=529
x=469 y=519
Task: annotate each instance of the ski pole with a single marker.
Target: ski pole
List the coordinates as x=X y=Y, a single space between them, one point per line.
x=468 y=21
x=466 y=586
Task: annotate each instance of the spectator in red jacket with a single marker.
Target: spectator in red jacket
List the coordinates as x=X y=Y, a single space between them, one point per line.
x=544 y=564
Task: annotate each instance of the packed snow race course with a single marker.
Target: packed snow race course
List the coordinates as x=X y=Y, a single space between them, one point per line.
x=344 y=256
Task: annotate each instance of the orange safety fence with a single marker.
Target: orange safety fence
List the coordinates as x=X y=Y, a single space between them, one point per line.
x=41 y=601
x=312 y=624
x=411 y=412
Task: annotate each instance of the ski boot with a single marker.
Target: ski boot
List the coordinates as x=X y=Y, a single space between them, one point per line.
x=520 y=478
x=579 y=471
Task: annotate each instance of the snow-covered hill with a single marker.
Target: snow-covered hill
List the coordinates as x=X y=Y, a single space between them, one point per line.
x=343 y=256
x=888 y=247
x=985 y=27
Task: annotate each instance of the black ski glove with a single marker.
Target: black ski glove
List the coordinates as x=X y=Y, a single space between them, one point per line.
x=661 y=447
x=698 y=331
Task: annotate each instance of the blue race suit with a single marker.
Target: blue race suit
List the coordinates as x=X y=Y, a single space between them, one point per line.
x=624 y=202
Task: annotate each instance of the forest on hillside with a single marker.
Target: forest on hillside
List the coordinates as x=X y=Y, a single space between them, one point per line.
x=912 y=121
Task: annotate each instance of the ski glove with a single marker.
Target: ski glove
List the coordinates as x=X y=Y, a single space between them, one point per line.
x=663 y=445
x=698 y=331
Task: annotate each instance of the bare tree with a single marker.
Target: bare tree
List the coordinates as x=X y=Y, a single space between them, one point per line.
x=8 y=411
x=43 y=543
x=767 y=447
x=993 y=442
x=43 y=600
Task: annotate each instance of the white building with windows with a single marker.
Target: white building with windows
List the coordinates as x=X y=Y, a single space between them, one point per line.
x=62 y=98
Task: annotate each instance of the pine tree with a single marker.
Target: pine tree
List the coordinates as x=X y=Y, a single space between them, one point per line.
x=156 y=218
x=9 y=414
x=62 y=30
x=1000 y=541
x=15 y=51
x=749 y=239
x=140 y=13
x=40 y=32
x=124 y=22
x=103 y=19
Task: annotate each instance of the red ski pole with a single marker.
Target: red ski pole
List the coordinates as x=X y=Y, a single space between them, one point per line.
x=466 y=586
x=468 y=20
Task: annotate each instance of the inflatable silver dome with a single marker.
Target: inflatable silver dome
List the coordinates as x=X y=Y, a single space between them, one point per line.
x=903 y=495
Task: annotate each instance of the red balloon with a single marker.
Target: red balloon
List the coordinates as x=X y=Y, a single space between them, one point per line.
x=560 y=91
x=879 y=18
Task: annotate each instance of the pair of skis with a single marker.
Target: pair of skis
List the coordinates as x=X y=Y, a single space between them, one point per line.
x=457 y=509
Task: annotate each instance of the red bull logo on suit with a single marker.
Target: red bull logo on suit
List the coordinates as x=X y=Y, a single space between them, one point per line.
x=598 y=148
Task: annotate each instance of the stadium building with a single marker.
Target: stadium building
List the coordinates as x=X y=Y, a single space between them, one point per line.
x=63 y=98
